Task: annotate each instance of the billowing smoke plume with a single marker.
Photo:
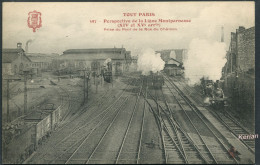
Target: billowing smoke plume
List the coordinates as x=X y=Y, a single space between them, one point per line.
x=27 y=44
x=205 y=58
x=29 y=41
x=107 y=61
x=148 y=61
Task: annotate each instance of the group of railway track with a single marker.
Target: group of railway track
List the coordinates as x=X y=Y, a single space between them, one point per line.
x=97 y=142
x=226 y=119
x=178 y=146
x=207 y=145
x=106 y=138
x=219 y=154
x=84 y=142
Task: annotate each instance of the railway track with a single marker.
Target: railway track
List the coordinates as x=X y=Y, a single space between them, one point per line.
x=123 y=153
x=74 y=132
x=102 y=120
x=77 y=136
x=230 y=123
x=99 y=101
x=65 y=95
x=237 y=129
x=94 y=155
x=217 y=147
x=179 y=148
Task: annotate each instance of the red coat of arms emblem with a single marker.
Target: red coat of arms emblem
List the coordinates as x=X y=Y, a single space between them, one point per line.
x=34 y=20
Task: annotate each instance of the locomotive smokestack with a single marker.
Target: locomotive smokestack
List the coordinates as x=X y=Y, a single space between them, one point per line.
x=19 y=45
x=222 y=34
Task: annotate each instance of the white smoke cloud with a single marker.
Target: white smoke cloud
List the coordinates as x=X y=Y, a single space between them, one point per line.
x=205 y=58
x=148 y=61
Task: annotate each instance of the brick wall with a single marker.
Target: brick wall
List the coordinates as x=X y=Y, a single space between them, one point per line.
x=246 y=49
x=240 y=90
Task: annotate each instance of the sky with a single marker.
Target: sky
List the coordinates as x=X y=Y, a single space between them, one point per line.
x=67 y=25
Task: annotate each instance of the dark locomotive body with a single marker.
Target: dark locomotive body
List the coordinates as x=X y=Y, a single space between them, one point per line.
x=153 y=80
x=173 y=70
x=106 y=72
x=213 y=93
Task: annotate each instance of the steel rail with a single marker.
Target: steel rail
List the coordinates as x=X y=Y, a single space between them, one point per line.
x=233 y=131
x=141 y=133
x=159 y=123
x=86 y=137
x=92 y=153
x=178 y=127
x=227 y=114
x=201 y=138
x=101 y=121
x=175 y=129
x=106 y=110
x=181 y=150
x=187 y=136
x=129 y=124
x=194 y=108
x=79 y=128
x=168 y=133
x=159 y=118
x=166 y=130
x=236 y=122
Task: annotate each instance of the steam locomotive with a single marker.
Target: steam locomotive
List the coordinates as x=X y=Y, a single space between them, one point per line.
x=213 y=92
x=173 y=70
x=106 y=71
x=154 y=80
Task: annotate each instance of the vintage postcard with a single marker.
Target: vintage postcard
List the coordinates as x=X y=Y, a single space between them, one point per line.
x=128 y=82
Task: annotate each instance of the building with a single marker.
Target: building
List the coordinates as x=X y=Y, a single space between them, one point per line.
x=14 y=61
x=239 y=71
x=178 y=54
x=43 y=62
x=128 y=60
x=74 y=59
x=241 y=53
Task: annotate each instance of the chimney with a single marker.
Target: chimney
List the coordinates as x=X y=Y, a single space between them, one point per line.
x=222 y=34
x=241 y=29
x=19 y=45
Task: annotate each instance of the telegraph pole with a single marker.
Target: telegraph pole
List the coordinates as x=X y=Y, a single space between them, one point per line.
x=84 y=70
x=8 y=96
x=97 y=84
x=25 y=73
x=8 y=116
x=85 y=86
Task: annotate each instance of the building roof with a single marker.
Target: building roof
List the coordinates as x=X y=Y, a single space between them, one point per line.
x=90 y=57
x=97 y=50
x=39 y=57
x=174 y=60
x=9 y=55
x=94 y=54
